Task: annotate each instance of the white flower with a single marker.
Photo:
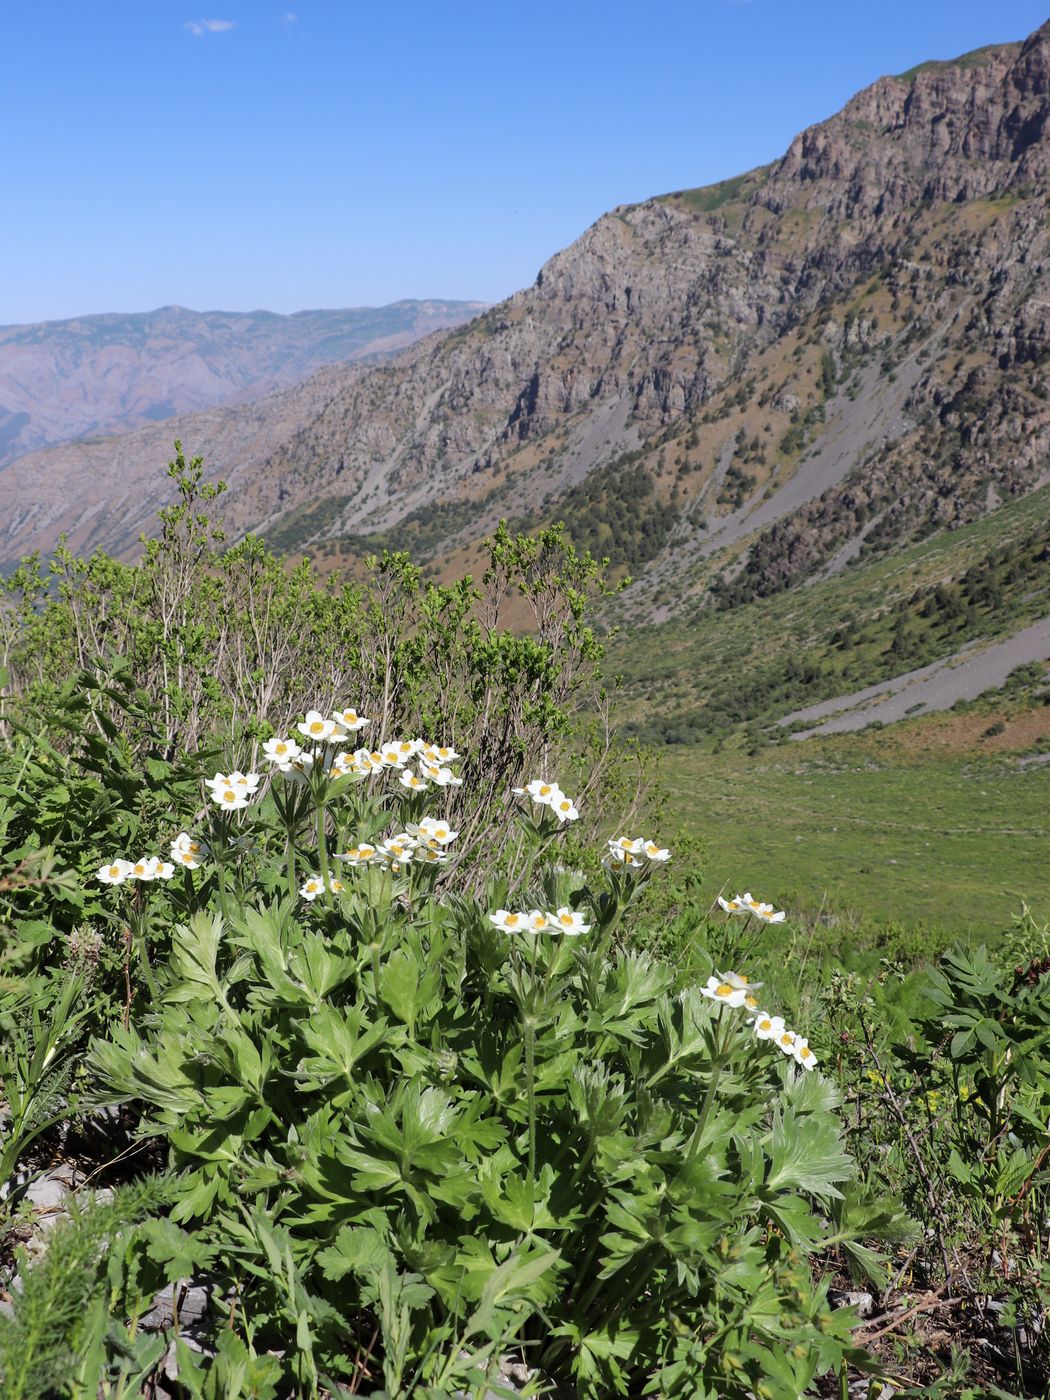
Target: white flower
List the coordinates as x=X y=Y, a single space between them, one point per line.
x=151 y=868
x=228 y=797
x=349 y=719
x=786 y=1040
x=564 y=808
x=544 y=794
x=624 y=851
x=633 y=847
x=566 y=921
x=803 y=1054
x=409 y=780
x=282 y=752
x=347 y=765
x=312 y=887
x=394 y=755
x=510 y=921
x=437 y=753
x=335 y=885
x=115 y=873
x=433 y=829
x=718 y=989
x=537 y=920
x=431 y=855
x=187 y=852
x=763 y=911
x=358 y=855
x=399 y=849
x=768 y=1027
x=321 y=730
x=246 y=783
x=440 y=777
x=733 y=906
x=655 y=852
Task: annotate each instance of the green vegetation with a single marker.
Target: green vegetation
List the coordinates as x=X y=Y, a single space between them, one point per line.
x=759 y=658
x=616 y=514
x=873 y=840
x=411 y=1079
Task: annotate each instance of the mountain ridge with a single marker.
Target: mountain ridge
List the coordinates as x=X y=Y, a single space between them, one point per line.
x=107 y=372
x=728 y=390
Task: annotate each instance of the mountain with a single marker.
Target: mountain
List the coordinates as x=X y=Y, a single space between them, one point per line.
x=728 y=390
x=61 y=380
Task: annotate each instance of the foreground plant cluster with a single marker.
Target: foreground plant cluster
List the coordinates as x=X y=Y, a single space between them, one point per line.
x=422 y=1083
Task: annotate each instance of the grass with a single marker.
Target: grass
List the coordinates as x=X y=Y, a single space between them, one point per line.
x=874 y=832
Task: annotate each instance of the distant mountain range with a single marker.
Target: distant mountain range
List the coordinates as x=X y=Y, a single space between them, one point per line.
x=728 y=390
x=62 y=380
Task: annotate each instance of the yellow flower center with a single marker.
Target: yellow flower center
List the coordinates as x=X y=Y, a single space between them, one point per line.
x=723 y=990
x=751 y=1003
x=787 y=1038
x=766 y=1025
x=566 y=919
x=229 y=795
x=317 y=726
x=806 y=1052
x=512 y=919
x=114 y=870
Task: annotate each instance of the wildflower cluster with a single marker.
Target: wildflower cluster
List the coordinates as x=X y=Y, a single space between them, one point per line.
x=746 y=904
x=549 y=795
x=734 y=990
x=146 y=868
x=232 y=791
x=563 y=920
x=634 y=852
x=422 y=842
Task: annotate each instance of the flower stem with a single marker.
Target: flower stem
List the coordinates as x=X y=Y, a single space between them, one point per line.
x=530 y=1075
x=322 y=850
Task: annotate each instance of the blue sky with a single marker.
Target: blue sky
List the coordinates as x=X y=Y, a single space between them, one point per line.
x=245 y=155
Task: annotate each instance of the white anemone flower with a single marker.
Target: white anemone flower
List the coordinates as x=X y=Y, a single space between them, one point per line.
x=633 y=846
x=358 y=855
x=411 y=781
x=537 y=921
x=393 y=755
x=431 y=855
x=742 y=983
x=567 y=921
x=438 y=753
x=440 y=777
x=718 y=989
x=151 y=868
x=762 y=910
x=768 y=1027
x=229 y=798
x=282 y=752
x=320 y=730
x=115 y=872
x=349 y=719
x=564 y=808
x=544 y=794
x=400 y=848
x=311 y=887
x=430 y=829
x=733 y=906
x=346 y=765
x=247 y=783
x=803 y=1054
x=656 y=853
x=509 y=920
x=618 y=855
x=187 y=852
x=786 y=1040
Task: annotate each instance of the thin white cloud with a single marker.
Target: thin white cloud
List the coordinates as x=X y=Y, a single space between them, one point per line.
x=290 y=18
x=209 y=26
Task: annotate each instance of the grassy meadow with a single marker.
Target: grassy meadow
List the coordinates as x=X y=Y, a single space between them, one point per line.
x=873 y=833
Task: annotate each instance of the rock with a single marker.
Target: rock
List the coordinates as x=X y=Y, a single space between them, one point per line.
x=186 y=1300
x=847 y=1298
